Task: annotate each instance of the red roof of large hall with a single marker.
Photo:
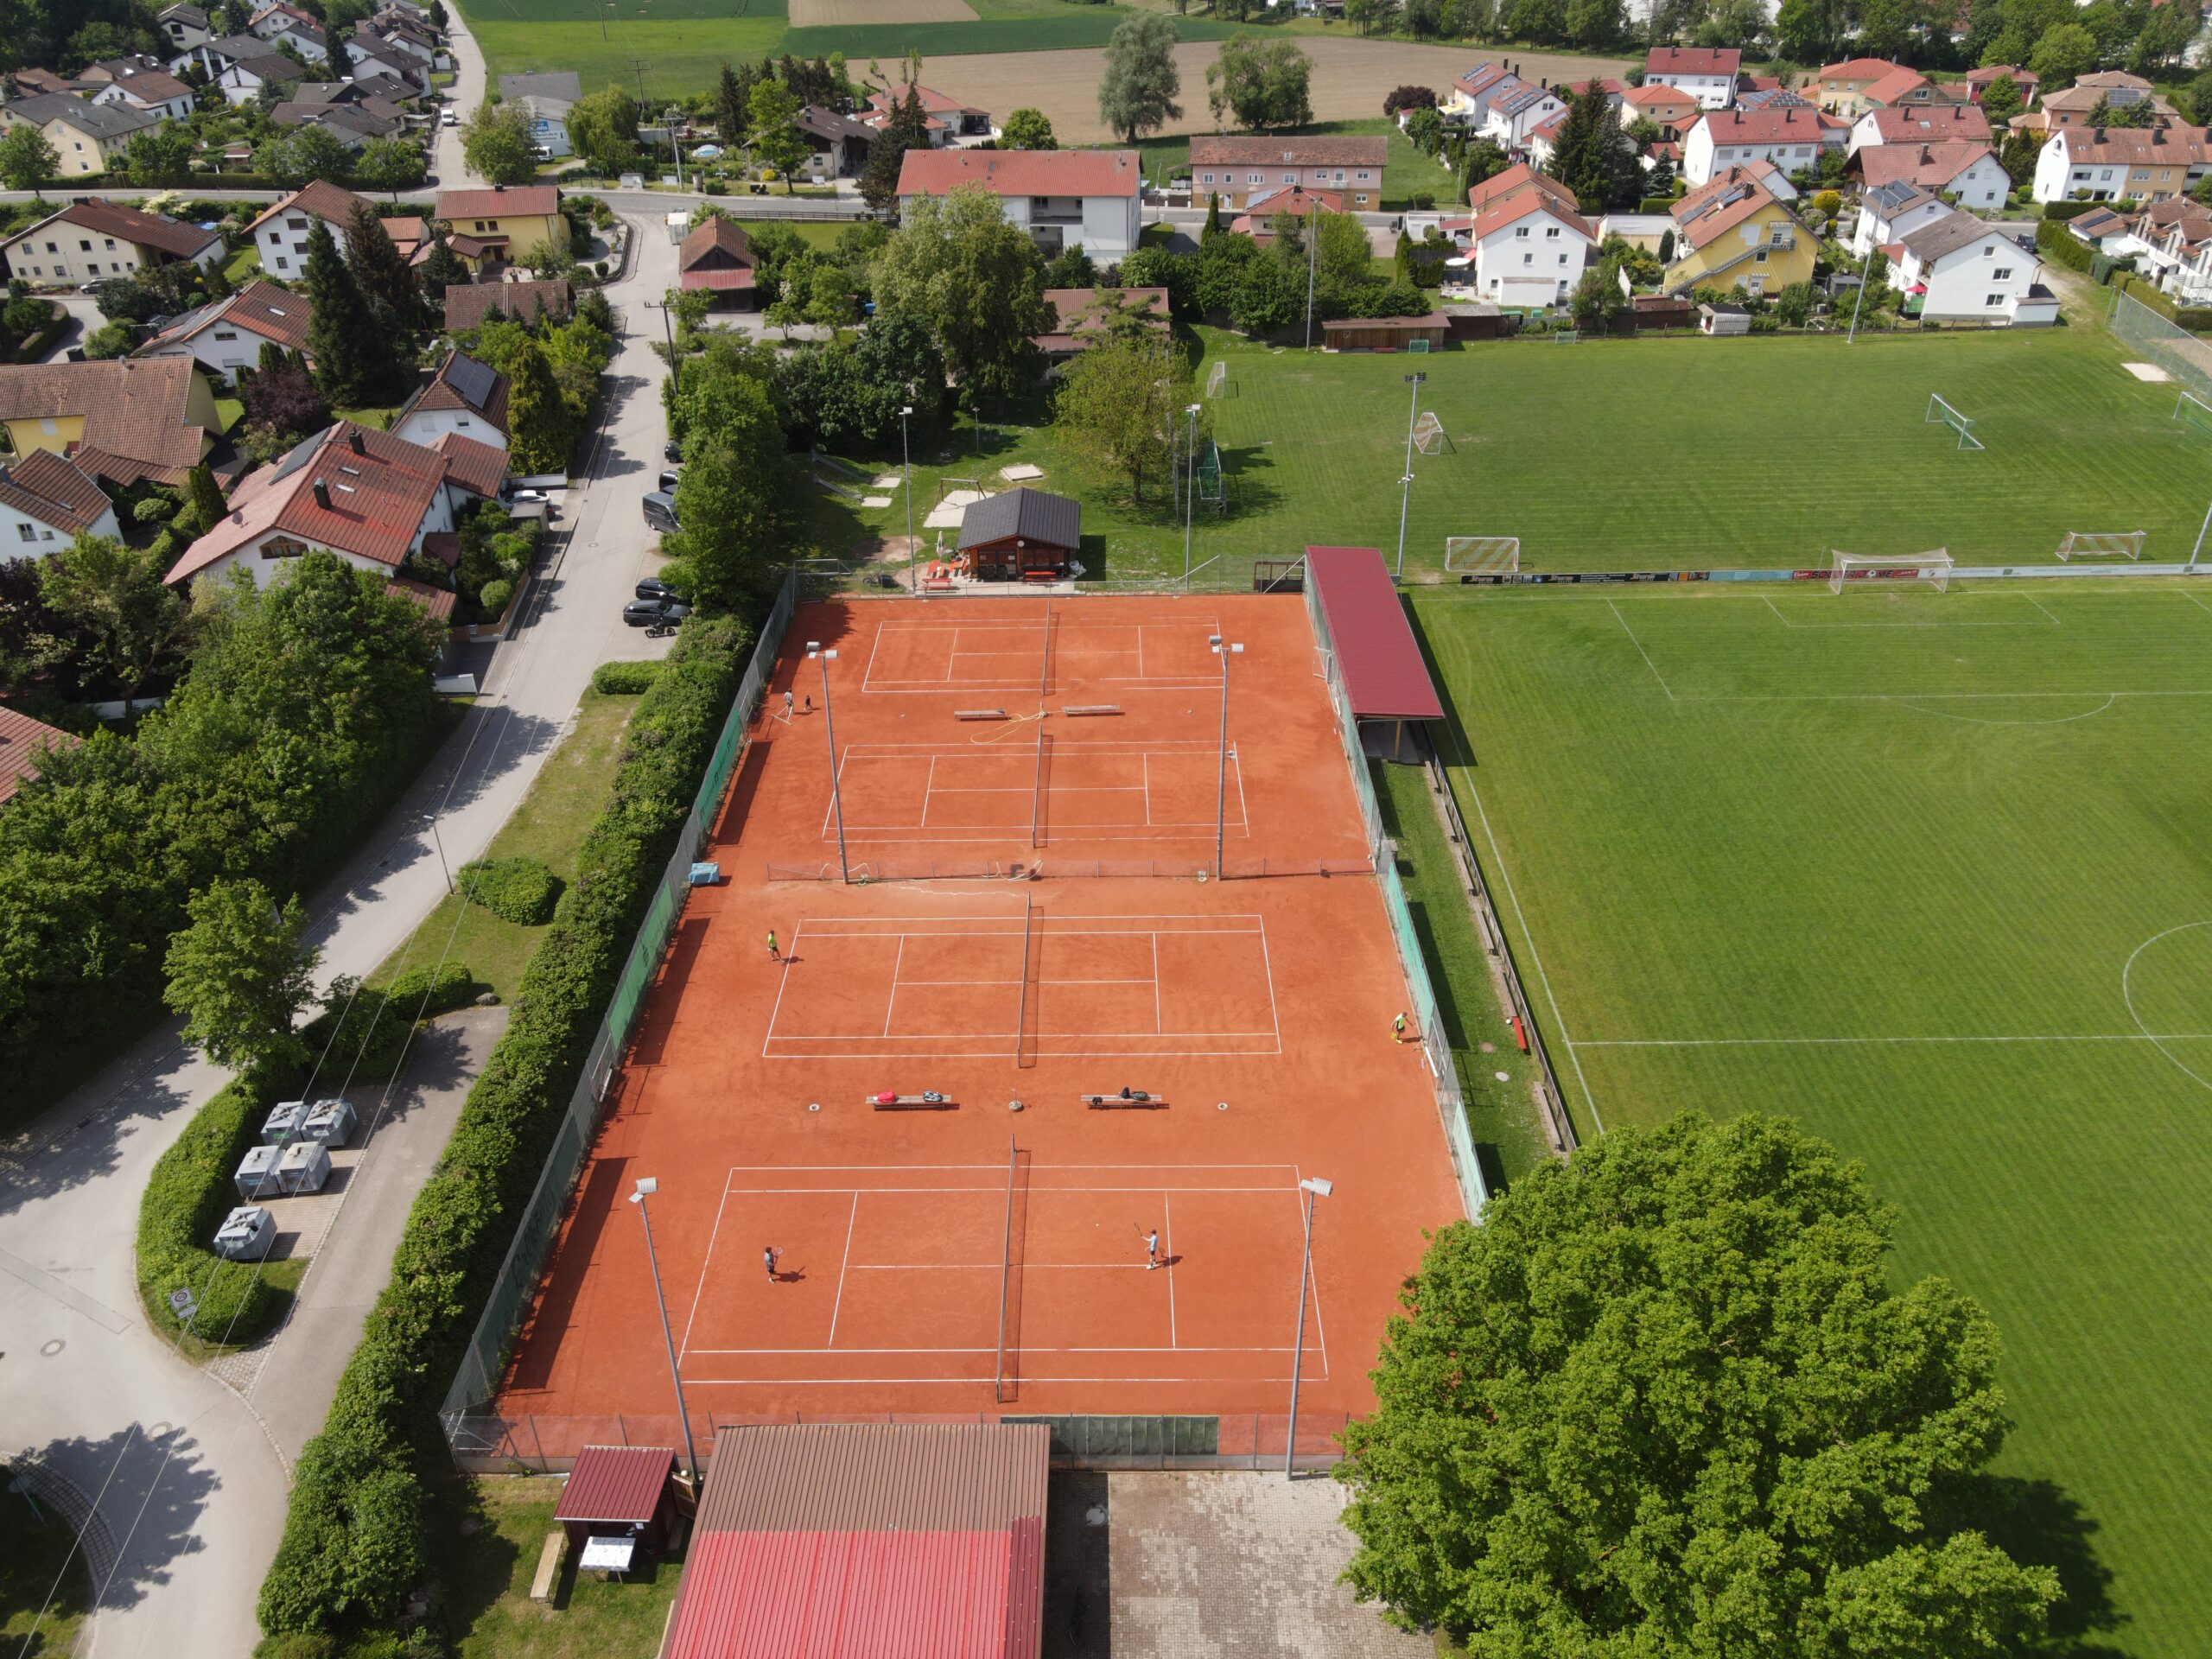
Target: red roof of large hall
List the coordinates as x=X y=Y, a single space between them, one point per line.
x=1383 y=670
x=867 y=1541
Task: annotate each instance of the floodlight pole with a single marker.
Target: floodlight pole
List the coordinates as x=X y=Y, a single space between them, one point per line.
x=1312 y=253
x=1224 y=650
x=1313 y=1187
x=829 y=725
x=1852 y=339
x=1406 y=482
x=906 y=467
x=1190 y=490
x=431 y=819
x=2199 y=548
x=647 y=1186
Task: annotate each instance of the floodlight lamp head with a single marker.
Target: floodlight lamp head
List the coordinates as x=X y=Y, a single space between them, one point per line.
x=905 y=409
x=647 y=1186
x=1214 y=639
x=1415 y=379
x=1318 y=1187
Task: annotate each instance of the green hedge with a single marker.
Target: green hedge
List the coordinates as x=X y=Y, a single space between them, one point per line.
x=518 y=890
x=625 y=679
x=365 y=1030
x=353 y=1543
x=187 y=1197
x=2061 y=246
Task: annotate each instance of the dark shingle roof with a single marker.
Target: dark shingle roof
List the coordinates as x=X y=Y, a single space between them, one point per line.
x=1031 y=515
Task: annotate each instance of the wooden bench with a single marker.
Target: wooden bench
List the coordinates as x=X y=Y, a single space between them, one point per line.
x=1140 y=1102
x=911 y=1103
x=547 y=1580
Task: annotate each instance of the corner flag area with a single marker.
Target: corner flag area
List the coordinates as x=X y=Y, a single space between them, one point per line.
x=1014 y=1120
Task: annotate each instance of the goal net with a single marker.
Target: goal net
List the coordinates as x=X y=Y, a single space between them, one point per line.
x=1218 y=381
x=1940 y=411
x=2102 y=544
x=1428 y=435
x=1933 y=567
x=2194 y=410
x=1490 y=556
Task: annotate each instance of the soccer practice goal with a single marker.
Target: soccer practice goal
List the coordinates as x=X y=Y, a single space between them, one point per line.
x=2102 y=544
x=1933 y=567
x=1218 y=382
x=1428 y=435
x=1961 y=424
x=1483 y=555
x=2194 y=410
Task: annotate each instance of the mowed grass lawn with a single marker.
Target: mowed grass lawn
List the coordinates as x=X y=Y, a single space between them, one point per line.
x=1405 y=169
x=1925 y=871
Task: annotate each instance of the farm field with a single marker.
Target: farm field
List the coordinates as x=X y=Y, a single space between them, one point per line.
x=1659 y=454
x=1919 y=869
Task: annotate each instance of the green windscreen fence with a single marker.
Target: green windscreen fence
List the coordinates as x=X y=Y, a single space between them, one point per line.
x=1106 y=1439
x=477 y=1378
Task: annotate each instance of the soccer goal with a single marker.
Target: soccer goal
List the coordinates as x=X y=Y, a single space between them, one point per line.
x=1485 y=556
x=1428 y=435
x=2194 y=410
x=1218 y=382
x=1566 y=336
x=1961 y=424
x=1932 y=567
x=2102 y=544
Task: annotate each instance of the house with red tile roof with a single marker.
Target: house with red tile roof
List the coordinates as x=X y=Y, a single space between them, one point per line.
x=120 y=422
x=1790 y=138
x=716 y=259
x=24 y=744
x=1970 y=173
x=371 y=498
x=1953 y=123
x=2116 y=163
x=1062 y=198
x=1530 y=250
x=46 y=501
x=1237 y=169
x=946 y=120
x=1706 y=73
x=227 y=335
x=468 y=304
x=465 y=396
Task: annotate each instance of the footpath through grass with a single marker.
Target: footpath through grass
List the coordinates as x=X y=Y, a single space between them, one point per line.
x=1926 y=872
x=547 y=826
x=35 y=1562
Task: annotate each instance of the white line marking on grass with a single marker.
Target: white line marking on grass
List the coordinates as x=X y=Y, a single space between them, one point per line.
x=1640 y=651
x=2128 y=995
x=1978 y=720
x=2195 y=600
x=852 y=1218
x=2039 y=604
x=1535 y=957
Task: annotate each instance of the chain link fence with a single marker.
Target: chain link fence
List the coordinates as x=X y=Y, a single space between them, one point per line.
x=2182 y=354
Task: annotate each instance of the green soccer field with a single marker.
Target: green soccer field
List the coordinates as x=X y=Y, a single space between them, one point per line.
x=1927 y=872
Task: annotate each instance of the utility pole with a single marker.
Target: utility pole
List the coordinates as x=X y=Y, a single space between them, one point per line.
x=1313 y=255
x=675 y=150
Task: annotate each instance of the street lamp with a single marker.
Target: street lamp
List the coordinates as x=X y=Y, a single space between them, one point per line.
x=431 y=820
x=675 y=150
x=667 y=332
x=906 y=467
x=1313 y=1187
x=647 y=1186
x=1406 y=482
x=1190 y=490
x=815 y=654
x=1224 y=650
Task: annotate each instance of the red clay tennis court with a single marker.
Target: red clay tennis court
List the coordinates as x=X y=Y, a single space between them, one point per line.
x=987 y=1249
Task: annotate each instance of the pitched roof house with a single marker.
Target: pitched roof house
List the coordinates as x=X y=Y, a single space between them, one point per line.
x=1949 y=123
x=717 y=258
x=2109 y=164
x=152 y=418
x=87 y=137
x=146 y=87
x=1709 y=73
x=1733 y=231
x=228 y=334
x=94 y=241
x=1062 y=198
x=1958 y=266
x=1970 y=172
x=468 y=304
x=46 y=501
x=1238 y=168
x=24 y=743
x=464 y=398
x=1791 y=138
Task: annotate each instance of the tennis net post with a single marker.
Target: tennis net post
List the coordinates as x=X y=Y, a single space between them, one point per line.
x=1006 y=1265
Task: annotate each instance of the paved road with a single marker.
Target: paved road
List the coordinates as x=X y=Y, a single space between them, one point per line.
x=187 y=1483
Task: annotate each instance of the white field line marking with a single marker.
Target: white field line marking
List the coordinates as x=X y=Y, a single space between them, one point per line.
x=1640 y=651
x=1269 y=1348
x=830 y=932
x=1977 y=720
x=782 y=980
x=2195 y=600
x=1147 y=791
x=2039 y=604
x=1168 y=1232
x=1928 y=696
x=1244 y=812
x=1839 y=1042
x=1158 y=1024
x=836 y=1307
x=691 y=1319
x=867 y=674
x=891 y=1001
x=1535 y=955
x=2128 y=995
x=1945 y=622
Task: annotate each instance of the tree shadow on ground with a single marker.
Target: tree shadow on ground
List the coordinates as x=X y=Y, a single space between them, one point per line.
x=2040 y=1522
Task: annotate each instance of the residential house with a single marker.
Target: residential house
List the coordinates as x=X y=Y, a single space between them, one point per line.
x=226 y=335
x=716 y=259
x=1961 y=123
x=468 y=304
x=2172 y=244
x=46 y=501
x=94 y=241
x=2115 y=89
x=373 y=499
x=1791 y=138
x=1708 y=73
x=152 y=91
x=243 y=80
x=946 y=120
x=1530 y=250
x=182 y=27
x=510 y=222
x=369 y=56
x=1519 y=180
x=1604 y=87
x=546 y=99
x=24 y=744
x=1773 y=97
x=1543 y=141
x=1959 y=267
x=1262 y=210
x=1237 y=169
x=280 y=234
x=1733 y=232
x=31 y=81
x=1977 y=81
x=2104 y=231
x=1514 y=111
x=1841 y=88
x=292 y=26
x=1085 y=313
x=836 y=144
x=415 y=39
x=1646 y=231
x=1908 y=89
x=1888 y=213
x=1062 y=198
x=465 y=398
x=1969 y=174
x=351 y=124
x=88 y=138
x=121 y=422
x=2122 y=163
x=1670 y=109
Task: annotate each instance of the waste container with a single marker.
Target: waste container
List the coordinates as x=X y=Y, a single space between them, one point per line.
x=257 y=1176
x=329 y=1122
x=303 y=1168
x=284 y=1121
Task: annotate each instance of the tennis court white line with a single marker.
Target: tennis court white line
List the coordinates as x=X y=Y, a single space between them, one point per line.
x=891 y=1001
x=1168 y=1232
x=705 y=1265
x=964 y=1036
x=1153 y=1187
x=1640 y=651
x=784 y=978
x=1267 y=1348
x=1839 y=1042
x=1290 y=1170
x=836 y=1307
x=967 y=1382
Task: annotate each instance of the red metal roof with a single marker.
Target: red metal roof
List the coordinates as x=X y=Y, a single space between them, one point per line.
x=616 y=1483
x=1383 y=670
x=720 y=281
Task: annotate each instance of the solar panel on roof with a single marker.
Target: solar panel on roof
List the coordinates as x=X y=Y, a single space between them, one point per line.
x=296 y=457
x=472 y=379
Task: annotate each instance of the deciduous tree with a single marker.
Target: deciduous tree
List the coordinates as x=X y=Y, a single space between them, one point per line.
x=1666 y=1400
x=240 y=973
x=1264 y=84
x=389 y=164
x=1138 y=90
x=116 y=594
x=2001 y=100
x=775 y=137
x=974 y=280
x=2065 y=53
x=1121 y=406
x=160 y=156
x=1027 y=129
x=302 y=155
x=603 y=129
x=28 y=160
x=496 y=144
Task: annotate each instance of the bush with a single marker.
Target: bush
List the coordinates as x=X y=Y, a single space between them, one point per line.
x=2070 y=209
x=365 y=1030
x=2061 y=246
x=353 y=1544
x=189 y=1192
x=518 y=890
x=492 y=598
x=625 y=679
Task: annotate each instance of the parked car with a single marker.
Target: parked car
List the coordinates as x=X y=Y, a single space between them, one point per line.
x=528 y=495
x=644 y=613
x=660 y=511
x=671 y=450
x=653 y=587
x=668 y=483
x=450 y=119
